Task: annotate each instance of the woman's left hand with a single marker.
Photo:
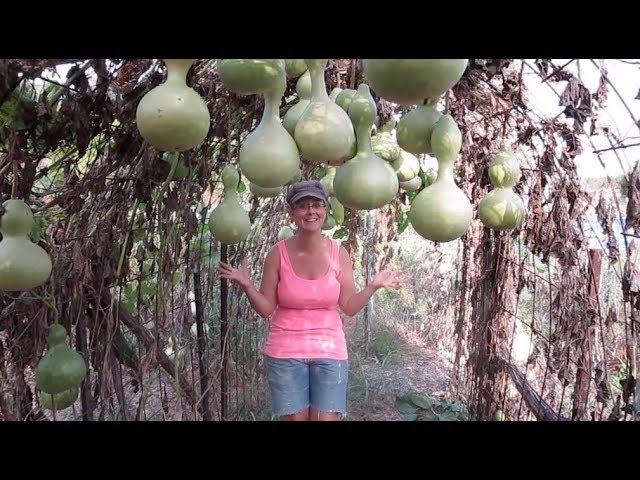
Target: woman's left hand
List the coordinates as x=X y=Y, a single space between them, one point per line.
x=387 y=278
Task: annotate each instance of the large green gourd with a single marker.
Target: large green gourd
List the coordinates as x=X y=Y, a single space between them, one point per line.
x=441 y=212
x=250 y=76
x=229 y=222
x=23 y=264
x=172 y=116
x=366 y=181
x=62 y=368
x=324 y=133
x=415 y=128
x=501 y=208
x=303 y=89
x=269 y=156
x=410 y=81
x=295 y=67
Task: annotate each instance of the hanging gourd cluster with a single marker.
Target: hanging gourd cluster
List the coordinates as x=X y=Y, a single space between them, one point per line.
x=362 y=172
x=23 y=266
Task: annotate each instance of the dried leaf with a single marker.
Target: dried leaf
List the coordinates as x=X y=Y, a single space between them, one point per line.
x=633 y=205
x=605 y=214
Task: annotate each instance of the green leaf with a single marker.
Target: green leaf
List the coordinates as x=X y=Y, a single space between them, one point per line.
x=39 y=225
x=241 y=187
x=405 y=405
x=340 y=233
x=410 y=417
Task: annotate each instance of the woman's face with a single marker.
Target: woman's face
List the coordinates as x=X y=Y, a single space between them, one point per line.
x=309 y=213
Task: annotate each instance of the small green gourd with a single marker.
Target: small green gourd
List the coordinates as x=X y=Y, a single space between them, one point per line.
x=62 y=368
x=501 y=208
x=229 y=222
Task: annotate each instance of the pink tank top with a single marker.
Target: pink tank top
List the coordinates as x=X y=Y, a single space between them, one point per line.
x=306 y=323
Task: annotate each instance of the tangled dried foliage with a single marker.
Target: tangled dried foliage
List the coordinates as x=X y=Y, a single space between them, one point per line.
x=126 y=242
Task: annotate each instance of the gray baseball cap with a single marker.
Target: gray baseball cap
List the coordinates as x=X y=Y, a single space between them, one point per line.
x=307 y=188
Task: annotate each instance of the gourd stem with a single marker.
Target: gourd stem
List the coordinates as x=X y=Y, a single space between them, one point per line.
x=177 y=70
x=272 y=99
x=318 y=87
x=363 y=138
x=445 y=168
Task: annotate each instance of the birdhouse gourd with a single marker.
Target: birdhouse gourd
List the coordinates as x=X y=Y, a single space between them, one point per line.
x=441 y=212
x=61 y=368
x=366 y=181
x=23 y=264
x=324 y=133
x=229 y=222
x=269 y=156
x=501 y=208
x=172 y=116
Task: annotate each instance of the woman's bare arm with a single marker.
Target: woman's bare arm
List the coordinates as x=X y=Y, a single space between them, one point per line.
x=263 y=301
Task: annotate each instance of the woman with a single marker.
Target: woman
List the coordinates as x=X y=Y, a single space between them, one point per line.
x=305 y=279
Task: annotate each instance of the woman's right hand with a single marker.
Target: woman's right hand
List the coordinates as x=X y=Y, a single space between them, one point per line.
x=238 y=275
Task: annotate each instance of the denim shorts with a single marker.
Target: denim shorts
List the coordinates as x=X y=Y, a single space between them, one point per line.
x=298 y=383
